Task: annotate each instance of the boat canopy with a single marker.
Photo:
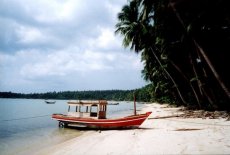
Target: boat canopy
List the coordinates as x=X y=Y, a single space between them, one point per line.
x=87 y=103
x=88 y=108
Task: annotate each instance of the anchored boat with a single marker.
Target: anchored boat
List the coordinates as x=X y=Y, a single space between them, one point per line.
x=92 y=114
x=50 y=101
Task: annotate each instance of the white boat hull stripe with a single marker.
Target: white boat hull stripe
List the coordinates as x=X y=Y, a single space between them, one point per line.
x=99 y=122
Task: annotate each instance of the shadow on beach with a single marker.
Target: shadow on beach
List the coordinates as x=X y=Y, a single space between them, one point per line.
x=99 y=130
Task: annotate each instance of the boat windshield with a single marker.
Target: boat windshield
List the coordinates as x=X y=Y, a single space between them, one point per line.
x=93 y=111
x=88 y=109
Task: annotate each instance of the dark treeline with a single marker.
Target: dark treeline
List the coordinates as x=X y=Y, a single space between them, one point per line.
x=104 y=94
x=118 y=95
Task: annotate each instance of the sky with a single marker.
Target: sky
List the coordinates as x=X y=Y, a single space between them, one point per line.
x=64 y=45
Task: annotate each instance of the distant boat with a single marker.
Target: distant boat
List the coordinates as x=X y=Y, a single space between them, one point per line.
x=113 y=103
x=92 y=114
x=50 y=102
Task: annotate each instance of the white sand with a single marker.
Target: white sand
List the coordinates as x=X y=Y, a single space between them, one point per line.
x=155 y=136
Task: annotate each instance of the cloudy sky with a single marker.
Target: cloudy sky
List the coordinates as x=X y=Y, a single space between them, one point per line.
x=59 y=45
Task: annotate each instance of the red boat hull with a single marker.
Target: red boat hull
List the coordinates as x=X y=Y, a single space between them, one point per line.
x=133 y=121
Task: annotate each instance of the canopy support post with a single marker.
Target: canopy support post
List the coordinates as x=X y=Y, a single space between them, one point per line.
x=135 y=111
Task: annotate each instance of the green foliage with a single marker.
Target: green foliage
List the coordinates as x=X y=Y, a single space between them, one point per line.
x=184 y=49
x=119 y=95
x=144 y=94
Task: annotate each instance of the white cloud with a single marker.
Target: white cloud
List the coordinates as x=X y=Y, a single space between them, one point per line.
x=64 y=45
x=29 y=35
x=57 y=69
x=54 y=11
x=106 y=39
x=64 y=63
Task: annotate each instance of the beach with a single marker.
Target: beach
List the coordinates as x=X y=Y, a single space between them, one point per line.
x=165 y=132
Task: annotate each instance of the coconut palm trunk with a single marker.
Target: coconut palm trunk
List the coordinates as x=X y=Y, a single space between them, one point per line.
x=202 y=52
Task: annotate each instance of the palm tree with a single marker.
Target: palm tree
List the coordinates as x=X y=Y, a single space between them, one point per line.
x=130 y=27
x=174 y=39
x=135 y=25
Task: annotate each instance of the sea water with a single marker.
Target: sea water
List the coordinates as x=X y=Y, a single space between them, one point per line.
x=26 y=124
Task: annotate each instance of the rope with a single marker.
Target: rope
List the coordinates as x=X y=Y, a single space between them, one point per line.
x=23 y=118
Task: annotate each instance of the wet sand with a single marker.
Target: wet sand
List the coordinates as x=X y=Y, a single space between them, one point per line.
x=173 y=135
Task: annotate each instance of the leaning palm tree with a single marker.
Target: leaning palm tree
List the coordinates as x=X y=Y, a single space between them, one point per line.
x=136 y=26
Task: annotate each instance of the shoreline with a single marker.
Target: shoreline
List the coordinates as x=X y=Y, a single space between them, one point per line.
x=170 y=135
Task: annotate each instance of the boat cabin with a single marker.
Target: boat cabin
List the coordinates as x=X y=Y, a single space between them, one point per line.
x=88 y=109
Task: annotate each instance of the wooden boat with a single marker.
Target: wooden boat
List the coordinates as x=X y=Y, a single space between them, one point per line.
x=92 y=114
x=113 y=103
x=50 y=102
